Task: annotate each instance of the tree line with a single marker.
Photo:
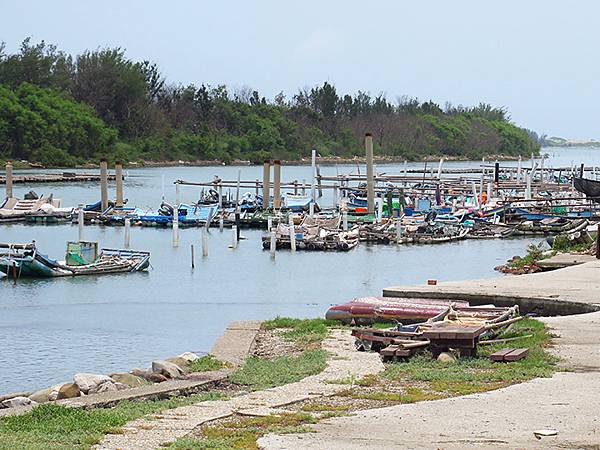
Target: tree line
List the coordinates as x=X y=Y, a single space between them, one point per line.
x=63 y=110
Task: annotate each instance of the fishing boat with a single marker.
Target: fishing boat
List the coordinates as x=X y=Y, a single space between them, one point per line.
x=187 y=215
x=591 y=188
x=82 y=258
x=481 y=229
x=15 y=210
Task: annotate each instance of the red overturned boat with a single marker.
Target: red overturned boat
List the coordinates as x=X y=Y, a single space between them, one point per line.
x=366 y=310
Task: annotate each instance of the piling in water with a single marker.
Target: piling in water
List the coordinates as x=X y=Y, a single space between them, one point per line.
x=370 y=174
x=193 y=256
x=119 y=181
x=276 y=184
x=9 y=179
x=175 y=226
x=103 y=185
x=80 y=220
x=127 y=233
x=292 y=234
x=234 y=240
x=204 y=242
x=273 y=244
x=266 y=183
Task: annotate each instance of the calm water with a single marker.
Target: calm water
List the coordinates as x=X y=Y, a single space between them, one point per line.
x=51 y=329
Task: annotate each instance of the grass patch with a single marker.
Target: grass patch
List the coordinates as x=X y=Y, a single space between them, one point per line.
x=205 y=364
x=410 y=395
x=51 y=426
x=318 y=407
x=302 y=331
x=367 y=380
x=534 y=254
x=243 y=434
x=481 y=372
x=258 y=373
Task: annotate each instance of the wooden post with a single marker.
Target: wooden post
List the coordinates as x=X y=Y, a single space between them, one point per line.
x=175 y=226
x=276 y=184
x=439 y=174
x=303 y=187
x=204 y=243
x=519 y=169
x=320 y=187
x=9 y=179
x=292 y=234
x=313 y=174
x=119 y=180
x=598 y=242
x=581 y=169
x=273 y=244
x=266 y=183
x=103 y=185
x=234 y=240
x=237 y=189
x=80 y=220
x=220 y=191
x=528 y=186
x=193 y=256
x=497 y=172
x=127 y=233
x=370 y=175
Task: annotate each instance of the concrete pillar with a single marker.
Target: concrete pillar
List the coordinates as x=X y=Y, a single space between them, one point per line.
x=266 y=183
x=370 y=175
x=313 y=174
x=119 y=178
x=276 y=184
x=9 y=179
x=519 y=169
x=103 y=185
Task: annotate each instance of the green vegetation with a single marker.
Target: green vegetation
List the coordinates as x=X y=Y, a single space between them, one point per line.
x=62 y=110
x=205 y=363
x=243 y=433
x=257 y=373
x=534 y=254
x=51 y=426
x=302 y=331
x=562 y=243
x=480 y=374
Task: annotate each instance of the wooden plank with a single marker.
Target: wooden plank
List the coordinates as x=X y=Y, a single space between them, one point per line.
x=390 y=350
x=516 y=354
x=500 y=354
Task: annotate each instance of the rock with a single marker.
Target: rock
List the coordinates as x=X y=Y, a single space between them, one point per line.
x=87 y=381
x=166 y=368
x=13 y=395
x=45 y=395
x=180 y=362
x=18 y=401
x=189 y=356
x=446 y=357
x=129 y=379
x=106 y=386
x=68 y=390
x=148 y=375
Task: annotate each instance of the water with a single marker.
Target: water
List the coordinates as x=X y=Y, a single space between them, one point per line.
x=51 y=329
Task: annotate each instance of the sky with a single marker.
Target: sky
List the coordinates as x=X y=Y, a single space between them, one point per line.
x=538 y=58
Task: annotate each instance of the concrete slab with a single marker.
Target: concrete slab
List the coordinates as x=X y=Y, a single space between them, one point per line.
x=563 y=260
x=236 y=342
x=571 y=290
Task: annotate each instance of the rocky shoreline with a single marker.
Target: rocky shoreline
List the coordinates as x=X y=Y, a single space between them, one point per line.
x=85 y=384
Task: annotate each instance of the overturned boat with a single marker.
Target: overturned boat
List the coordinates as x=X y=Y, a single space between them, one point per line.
x=82 y=258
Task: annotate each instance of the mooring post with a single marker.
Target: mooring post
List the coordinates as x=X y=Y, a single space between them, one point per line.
x=266 y=183
x=476 y=197
x=481 y=189
x=127 y=233
x=581 y=169
x=220 y=191
x=273 y=244
x=598 y=242
x=192 y=254
x=335 y=196
x=370 y=175
x=398 y=230
x=103 y=185
x=221 y=223
x=234 y=240
x=439 y=174
x=311 y=209
x=80 y=220
x=9 y=179
x=176 y=194
x=295 y=187
x=256 y=187
x=304 y=187
x=269 y=223
x=292 y=234
x=528 y=186
x=320 y=187
x=519 y=169
x=175 y=226
x=119 y=181
x=276 y=184
x=379 y=217
x=313 y=174
x=204 y=242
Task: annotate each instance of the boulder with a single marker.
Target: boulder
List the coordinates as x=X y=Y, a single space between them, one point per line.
x=17 y=401
x=166 y=368
x=13 y=395
x=87 y=381
x=46 y=395
x=189 y=356
x=68 y=390
x=446 y=357
x=149 y=375
x=129 y=379
x=180 y=362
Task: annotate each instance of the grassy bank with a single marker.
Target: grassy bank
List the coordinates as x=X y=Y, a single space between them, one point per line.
x=51 y=426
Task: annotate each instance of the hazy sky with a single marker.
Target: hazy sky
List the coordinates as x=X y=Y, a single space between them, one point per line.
x=540 y=59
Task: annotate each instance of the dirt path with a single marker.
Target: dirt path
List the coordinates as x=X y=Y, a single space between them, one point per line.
x=344 y=362
x=506 y=418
